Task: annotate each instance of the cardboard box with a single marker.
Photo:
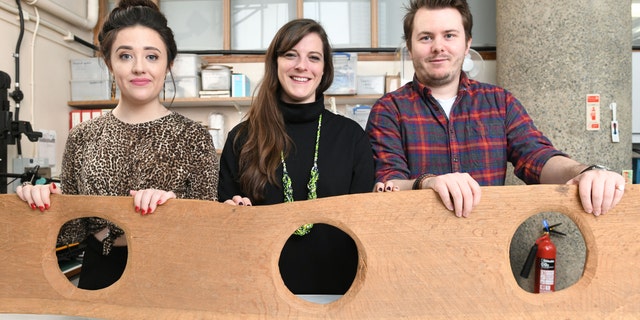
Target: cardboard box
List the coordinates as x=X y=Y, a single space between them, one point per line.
x=392 y=82
x=240 y=85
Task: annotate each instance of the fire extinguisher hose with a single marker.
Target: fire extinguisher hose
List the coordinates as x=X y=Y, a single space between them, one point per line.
x=526 y=269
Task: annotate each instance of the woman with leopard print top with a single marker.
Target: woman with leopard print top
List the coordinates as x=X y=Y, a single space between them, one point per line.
x=140 y=149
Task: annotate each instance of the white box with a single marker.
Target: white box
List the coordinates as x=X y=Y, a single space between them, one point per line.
x=186 y=65
x=370 y=85
x=344 y=75
x=185 y=87
x=89 y=69
x=90 y=90
x=240 y=85
x=216 y=78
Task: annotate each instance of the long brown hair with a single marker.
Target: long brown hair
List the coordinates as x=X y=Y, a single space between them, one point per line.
x=265 y=129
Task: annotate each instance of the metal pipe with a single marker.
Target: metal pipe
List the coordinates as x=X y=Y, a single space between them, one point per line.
x=88 y=22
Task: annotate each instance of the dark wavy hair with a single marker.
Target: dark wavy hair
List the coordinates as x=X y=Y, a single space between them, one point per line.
x=265 y=129
x=131 y=13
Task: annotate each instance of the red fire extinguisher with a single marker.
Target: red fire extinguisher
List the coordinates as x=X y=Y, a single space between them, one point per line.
x=545 y=265
x=544 y=252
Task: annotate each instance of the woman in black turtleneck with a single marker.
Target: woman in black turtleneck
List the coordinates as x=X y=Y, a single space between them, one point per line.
x=289 y=127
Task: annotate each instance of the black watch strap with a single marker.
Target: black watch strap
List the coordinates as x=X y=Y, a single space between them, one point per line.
x=595 y=167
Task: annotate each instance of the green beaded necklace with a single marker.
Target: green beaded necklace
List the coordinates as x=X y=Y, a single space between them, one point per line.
x=312 y=186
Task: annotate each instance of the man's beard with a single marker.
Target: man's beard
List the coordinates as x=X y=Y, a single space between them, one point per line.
x=444 y=79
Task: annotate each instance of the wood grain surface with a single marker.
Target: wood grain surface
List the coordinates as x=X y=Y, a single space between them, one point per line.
x=204 y=260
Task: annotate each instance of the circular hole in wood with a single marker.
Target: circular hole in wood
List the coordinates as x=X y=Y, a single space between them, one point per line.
x=84 y=255
x=321 y=265
x=570 y=248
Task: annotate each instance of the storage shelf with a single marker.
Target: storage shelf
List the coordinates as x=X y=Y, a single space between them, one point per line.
x=236 y=102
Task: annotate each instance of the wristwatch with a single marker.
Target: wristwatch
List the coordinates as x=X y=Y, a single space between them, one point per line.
x=595 y=167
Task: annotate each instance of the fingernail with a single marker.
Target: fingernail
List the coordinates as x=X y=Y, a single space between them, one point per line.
x=54 y=186
x=138 y=209
x=159 y=201
x=388 y=188
x=241 y=203
x=379 y=189
x=46 y=206
x=41 y=208
x=149 y=211
x=33 y=206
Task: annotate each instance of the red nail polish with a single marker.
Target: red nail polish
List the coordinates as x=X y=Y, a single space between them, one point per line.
x=149 y=211
x=46 y=206
x=138 y=209
x=54 y=186
x=33 y=206
x=41 y=208
x=159 y=201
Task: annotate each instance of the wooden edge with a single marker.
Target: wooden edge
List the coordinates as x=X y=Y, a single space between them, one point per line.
x=197 y=259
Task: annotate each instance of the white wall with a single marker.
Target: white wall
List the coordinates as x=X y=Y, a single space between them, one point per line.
x=44 y=72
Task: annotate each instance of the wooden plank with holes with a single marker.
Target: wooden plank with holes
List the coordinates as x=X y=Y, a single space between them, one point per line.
x=197 y=260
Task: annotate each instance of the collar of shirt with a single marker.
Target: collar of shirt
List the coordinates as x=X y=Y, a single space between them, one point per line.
x=464 y=84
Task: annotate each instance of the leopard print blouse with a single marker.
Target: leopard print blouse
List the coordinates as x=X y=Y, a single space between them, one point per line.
x=107 y=157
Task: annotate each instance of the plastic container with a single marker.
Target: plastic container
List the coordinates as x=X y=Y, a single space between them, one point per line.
x=185 y=87
x=86 y=69
x=186 y=65
x=90 y=90
x=216 y=77
x=345 y=67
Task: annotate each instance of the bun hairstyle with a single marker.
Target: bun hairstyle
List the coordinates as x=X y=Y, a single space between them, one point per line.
x=131 y=13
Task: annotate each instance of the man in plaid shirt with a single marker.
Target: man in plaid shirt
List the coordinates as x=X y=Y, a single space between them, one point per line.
x=452 y=134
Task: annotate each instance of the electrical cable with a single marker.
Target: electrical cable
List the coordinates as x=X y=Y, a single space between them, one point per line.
x=17 y=94
x=33 y=73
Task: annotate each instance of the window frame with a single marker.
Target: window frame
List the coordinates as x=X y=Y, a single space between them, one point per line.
x=227 y=55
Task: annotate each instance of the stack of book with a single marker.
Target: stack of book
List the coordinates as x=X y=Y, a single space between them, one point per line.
x=215 y=93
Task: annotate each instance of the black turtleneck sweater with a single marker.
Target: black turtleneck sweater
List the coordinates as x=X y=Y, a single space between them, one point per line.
x=325 y=260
